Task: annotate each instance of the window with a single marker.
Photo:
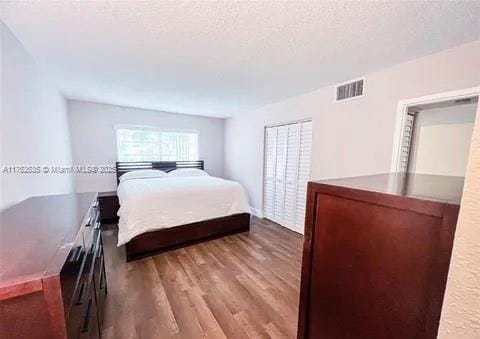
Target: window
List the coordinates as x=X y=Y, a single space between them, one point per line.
x=144 y=144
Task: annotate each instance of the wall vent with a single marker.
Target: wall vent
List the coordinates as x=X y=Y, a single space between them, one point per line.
x=351 y=89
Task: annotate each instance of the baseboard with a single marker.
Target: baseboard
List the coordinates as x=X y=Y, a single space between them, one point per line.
x=256 y=212
x=290 y=228
x=294 y=229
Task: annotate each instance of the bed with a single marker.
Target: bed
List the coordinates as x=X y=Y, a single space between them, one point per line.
x=162 y=213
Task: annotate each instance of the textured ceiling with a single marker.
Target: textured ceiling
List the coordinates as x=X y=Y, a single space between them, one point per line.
x=219 y=58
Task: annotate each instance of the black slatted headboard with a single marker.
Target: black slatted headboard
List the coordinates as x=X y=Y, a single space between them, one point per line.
x=166 y=166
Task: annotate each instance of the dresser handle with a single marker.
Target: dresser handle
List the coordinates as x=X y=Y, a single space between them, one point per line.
x=100 y=284
x=86 y=322
x=89 y=222
x=79 y=254
x=92 y=248
x=95 y=204
x=74 y=253
x=80 y=294
x=100 y=250
x=98 y=225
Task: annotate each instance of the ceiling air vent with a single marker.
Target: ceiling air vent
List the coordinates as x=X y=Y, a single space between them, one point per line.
x=349 y=90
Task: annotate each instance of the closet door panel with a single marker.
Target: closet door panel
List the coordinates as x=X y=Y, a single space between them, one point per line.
x=286 y=172
x=291 y=172
x=280 y=167
x=305 y=147
x=269 y=171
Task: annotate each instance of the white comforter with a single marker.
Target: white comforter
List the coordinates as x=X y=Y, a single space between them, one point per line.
x=156 y=203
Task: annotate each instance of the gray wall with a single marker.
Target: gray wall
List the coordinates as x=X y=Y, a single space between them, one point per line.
x=94 y=140
x=441 y=140
x=33 y=126
x=350 y=138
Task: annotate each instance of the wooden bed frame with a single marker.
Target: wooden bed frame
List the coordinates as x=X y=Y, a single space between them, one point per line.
x=170 y=238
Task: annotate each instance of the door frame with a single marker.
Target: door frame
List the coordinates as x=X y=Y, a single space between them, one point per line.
x=402 y=110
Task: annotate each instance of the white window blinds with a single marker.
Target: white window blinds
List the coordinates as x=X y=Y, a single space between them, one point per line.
x=286 y=172
x=406 y=141
x=143 y=144
x=179 y=146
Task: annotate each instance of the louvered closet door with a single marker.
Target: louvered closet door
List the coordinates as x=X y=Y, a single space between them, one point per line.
x=291 y=172
x=305 y=150
x=286 y=171
x=269 y=171
x=280 y=167
x=406 y=141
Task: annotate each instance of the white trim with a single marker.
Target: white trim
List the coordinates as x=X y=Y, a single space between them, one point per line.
x=256 y=212
x=402 y=109
x=348 y=82
x=293 y=228
x=288 y=123
x=155 y=128
x=288 y=227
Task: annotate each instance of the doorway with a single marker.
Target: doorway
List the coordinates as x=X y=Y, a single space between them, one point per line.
x=436 y=133
x=442 y=133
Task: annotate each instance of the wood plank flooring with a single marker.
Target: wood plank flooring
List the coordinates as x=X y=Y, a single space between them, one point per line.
x=240 y=286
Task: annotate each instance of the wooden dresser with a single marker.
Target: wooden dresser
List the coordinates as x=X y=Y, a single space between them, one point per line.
x=376 y=256
x=52 y=275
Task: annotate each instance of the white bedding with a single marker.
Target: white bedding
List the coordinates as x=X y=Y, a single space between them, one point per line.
x=155 y=203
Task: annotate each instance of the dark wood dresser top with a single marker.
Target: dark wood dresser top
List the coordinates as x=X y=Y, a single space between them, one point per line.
x=439 y=188
x=36 y=236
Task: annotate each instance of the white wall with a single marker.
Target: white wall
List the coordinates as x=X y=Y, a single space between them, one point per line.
x=94 y=139
x=461 y=305
x=33 y=126
x=354 y=137
x=441 y=140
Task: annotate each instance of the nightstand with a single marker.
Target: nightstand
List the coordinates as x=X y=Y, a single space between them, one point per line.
x=109 y=206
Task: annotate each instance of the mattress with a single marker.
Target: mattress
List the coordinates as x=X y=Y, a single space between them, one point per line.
x=156 y=203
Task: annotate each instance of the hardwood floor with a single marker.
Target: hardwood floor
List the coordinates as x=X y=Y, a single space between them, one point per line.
x=240 y=286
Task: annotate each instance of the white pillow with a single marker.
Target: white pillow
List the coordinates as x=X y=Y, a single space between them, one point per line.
x=143 y=174
x=187 y=172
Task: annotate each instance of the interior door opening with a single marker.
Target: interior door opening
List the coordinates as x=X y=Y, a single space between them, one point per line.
x=437 y=136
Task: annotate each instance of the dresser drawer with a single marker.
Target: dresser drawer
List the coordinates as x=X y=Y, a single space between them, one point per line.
x=77 y=270
x=78 y=311
x=90 y=327
x=93 y=223
x=82 y=299
x=71 y=273
x=91 y=257
x=83 y=322
x=100 y=280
